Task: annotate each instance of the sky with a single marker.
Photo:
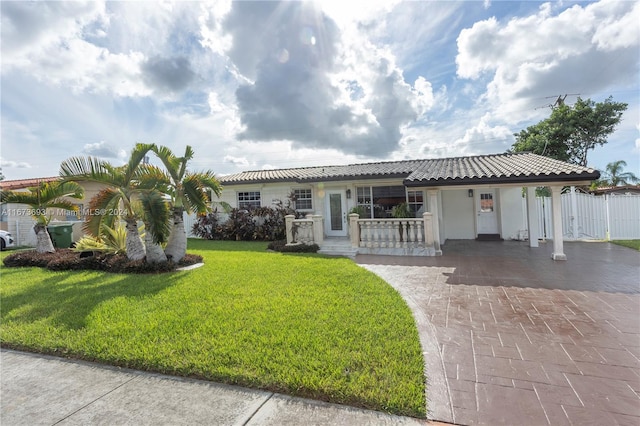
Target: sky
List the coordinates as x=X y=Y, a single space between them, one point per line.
x=262 y=85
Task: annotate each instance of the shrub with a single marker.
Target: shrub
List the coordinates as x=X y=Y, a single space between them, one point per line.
x=281 y=246
x=257 y=224
x=208 y=227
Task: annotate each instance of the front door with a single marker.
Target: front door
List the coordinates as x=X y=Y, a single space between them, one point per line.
x=336 y=222
x=486 y=208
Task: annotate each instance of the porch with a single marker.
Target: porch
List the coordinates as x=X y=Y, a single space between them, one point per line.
x=391 y=237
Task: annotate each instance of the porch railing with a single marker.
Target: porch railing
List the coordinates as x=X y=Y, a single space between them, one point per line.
x=304 y=231
x=391 y=233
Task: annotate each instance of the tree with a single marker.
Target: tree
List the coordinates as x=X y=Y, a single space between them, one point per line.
x=188 y=193
x=39 y=199
x=572 y=131
x=121 y=197
x=614 y=175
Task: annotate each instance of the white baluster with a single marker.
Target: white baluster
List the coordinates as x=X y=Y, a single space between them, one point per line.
x=405 y=236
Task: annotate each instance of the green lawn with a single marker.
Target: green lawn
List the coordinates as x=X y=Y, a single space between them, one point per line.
x=304 y=325
x=634 y=244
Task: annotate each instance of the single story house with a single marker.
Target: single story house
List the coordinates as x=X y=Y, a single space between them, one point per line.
x=473 y=197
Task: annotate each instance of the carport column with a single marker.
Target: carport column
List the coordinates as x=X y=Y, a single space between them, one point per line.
x=532 y=217
x=433 y=203
x=556 y=203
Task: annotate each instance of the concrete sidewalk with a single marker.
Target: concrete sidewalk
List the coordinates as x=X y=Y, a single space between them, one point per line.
x=44 y=390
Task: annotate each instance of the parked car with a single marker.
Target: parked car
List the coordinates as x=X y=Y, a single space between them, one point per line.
x=6 y=240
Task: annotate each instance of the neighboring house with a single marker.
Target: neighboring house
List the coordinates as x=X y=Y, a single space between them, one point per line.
x=617 y=190
x=476 y=197
x=16 y=218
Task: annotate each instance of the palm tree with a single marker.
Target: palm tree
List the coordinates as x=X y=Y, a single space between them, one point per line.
x=617 y=177
x=45 y=196
x=188 y=193
x=155 y=215
x=120 y=198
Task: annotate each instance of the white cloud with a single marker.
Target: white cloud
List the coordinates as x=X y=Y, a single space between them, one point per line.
x=14 y=164
x=236 y=161
x=101 y=149
x=315 y=84
x=579 y=50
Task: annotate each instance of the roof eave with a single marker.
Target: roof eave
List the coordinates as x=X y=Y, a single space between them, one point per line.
x=576 y=179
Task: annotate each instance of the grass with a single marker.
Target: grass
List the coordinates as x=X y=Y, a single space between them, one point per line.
x=634 y=244
x=304 y=325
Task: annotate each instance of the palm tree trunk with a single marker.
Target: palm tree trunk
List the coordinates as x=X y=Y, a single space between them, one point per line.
x=155 y=254
x=43 y=239
x=177 y=244
x=135 y=248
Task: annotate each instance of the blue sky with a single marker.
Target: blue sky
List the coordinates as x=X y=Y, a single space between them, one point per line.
x=255 y=85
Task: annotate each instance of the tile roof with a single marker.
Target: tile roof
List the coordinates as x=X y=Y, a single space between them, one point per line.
x=498 y=168
x=9 y=185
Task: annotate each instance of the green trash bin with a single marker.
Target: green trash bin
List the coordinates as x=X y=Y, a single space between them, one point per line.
x=61 y=235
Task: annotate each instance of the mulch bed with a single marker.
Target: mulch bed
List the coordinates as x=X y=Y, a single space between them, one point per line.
x=68 y=260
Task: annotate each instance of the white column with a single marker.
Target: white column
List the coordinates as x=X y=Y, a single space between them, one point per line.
x=354 y=231
x=532 y=217
x=428 y=228
x=433 y=203
x=288 y=222
x=556 y=205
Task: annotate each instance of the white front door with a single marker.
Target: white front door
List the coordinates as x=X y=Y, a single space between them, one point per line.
x=486 y=208
x=335 y=224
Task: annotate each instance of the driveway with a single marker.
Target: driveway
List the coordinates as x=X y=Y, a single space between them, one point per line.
x=513 y=337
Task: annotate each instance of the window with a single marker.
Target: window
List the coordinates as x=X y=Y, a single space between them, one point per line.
x=378 y=201
x=248 y=200
x=486 y=203
x=363 y=195
x=415 y=199
x=303 y=199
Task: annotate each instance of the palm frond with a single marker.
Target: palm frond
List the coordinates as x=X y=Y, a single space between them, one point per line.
x=101 y=211
x=149 y=177
x=188 y=155
x=209 y=180
x=156 y=215
x=196 y=198
x=170 y=161
x=195 y=187
x=54 y=190
x=88 y=169
x=135 y=159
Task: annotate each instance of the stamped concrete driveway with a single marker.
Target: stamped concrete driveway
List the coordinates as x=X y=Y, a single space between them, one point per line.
x=513 y=337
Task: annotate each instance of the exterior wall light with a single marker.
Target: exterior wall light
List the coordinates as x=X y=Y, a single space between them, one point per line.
x=348 y=193
x=471 y=193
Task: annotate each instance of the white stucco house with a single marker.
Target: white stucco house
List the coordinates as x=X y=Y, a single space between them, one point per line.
x=474 y=197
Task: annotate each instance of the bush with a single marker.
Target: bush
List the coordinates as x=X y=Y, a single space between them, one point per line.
x=208 y=227
x=68 y=260
x=281 y=246
x=257 y=224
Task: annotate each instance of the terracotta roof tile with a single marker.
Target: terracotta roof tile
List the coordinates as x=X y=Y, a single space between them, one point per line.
x=498 y=168
x=9 y=185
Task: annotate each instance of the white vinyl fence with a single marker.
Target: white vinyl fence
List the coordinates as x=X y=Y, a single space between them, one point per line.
x=592 y=217
x=189 y=221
